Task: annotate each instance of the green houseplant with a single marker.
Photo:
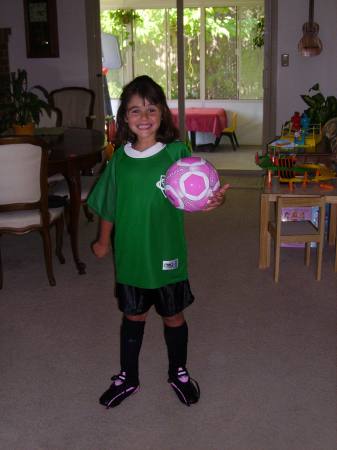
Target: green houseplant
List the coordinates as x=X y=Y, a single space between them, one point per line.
x=321 y=109
x=21 y=106
x=125 y=16
x=119 y=22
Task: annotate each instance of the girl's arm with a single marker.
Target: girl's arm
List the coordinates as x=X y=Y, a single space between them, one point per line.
x=101 y=247
x=217 y=198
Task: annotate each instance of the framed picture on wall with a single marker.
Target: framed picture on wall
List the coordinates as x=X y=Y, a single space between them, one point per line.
x=41 y=28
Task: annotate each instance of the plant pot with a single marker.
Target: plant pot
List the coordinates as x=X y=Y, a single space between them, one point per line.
x=24 y=130
x=127 y=19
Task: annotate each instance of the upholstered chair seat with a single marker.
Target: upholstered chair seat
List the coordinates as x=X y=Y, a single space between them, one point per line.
x=24 y=196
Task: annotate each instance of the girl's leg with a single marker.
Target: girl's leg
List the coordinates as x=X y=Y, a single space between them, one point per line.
x=131 y=338
x=176 y=338
x=127 y=381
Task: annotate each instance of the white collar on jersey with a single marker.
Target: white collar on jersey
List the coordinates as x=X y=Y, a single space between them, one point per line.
x=156 y=148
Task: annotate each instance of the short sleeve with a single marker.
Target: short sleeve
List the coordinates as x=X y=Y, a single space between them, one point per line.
x=102 y=198
x=186 y=151
x=178 y=149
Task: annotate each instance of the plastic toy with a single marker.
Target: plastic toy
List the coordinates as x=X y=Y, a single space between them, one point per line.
x=295 y=122
x=306 y=137
x=299 y=137
x=305 y=121
x=327 y=186
x=288 y=171
x=189 y=183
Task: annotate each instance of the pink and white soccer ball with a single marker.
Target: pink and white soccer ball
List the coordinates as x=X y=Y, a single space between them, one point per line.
x=189 y=183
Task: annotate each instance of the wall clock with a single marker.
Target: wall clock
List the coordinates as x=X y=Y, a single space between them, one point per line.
x=41 y=28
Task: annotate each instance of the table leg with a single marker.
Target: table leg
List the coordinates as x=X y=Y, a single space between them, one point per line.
x=332 y=224
x=74 y=184
x=217 y=141
x=193 y=139
x=264 y=256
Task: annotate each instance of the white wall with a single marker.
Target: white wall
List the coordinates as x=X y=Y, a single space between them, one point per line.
x=302 y=72
x=71 y=68
x=72 y=65
x=250 y=117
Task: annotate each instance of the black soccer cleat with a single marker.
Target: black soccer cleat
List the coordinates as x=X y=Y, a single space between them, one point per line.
x=118 y=391
x=186 y=388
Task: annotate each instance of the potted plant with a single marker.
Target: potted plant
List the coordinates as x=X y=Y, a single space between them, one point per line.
x=321 y=108
x=21 y=108
x=125 y=16
x=119 y=22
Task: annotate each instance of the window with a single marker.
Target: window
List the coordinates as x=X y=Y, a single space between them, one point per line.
x=150 y=53
x=251 y=59
x=220 y=53
x=229 y=67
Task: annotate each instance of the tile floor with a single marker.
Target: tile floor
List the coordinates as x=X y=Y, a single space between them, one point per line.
x=224 y=158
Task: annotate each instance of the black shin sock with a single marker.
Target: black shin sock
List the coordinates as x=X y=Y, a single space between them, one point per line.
x=176 y=339
x=131 y=339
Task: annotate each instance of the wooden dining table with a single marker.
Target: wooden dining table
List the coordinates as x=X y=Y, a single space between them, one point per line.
x=273 y=190
x=205 y=120
x=70 y=153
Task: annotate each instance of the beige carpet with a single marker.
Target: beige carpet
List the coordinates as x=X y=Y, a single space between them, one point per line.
x=264 y=354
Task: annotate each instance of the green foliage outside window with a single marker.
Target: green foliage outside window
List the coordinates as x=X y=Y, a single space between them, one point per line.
x=233 y=66
x=221 y=59
x=150 y=55
x=251 y=55
x=258 y=34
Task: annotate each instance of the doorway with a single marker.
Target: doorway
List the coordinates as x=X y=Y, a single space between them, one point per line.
x=270 y=70
x=268 y=111
x=92 y=11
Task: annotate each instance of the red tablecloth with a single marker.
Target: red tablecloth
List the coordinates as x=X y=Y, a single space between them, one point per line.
x=207 y=120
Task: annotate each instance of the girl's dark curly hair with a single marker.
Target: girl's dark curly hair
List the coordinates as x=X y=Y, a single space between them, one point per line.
x=147 y=89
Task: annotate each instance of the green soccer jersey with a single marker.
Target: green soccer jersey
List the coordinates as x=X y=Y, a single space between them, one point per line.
x=149 y=239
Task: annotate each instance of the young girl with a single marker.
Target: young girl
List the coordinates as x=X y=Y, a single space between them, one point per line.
x=149 y=242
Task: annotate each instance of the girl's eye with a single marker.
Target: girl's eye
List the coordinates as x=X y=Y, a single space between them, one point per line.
x=152 y=110
x=134 y=112
x=137 y=112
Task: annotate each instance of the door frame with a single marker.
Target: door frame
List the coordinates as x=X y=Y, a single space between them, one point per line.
x=270 y=71
x=92 y=11
x=94 y=49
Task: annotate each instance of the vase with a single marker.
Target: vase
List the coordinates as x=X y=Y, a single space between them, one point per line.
x=24 y=130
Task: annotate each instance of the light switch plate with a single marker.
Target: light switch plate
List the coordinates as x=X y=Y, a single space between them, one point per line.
x=285 y=59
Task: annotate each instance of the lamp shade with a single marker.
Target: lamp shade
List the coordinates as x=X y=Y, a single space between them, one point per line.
x=111 y=56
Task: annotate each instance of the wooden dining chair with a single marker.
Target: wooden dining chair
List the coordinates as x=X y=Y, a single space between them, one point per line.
x=24 y=196
x=298 y=231
x=60 y=189
x=76 y=105
x=230 y=132
x=51 y=120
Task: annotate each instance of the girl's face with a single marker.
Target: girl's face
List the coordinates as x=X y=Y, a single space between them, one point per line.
x=143 y=119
